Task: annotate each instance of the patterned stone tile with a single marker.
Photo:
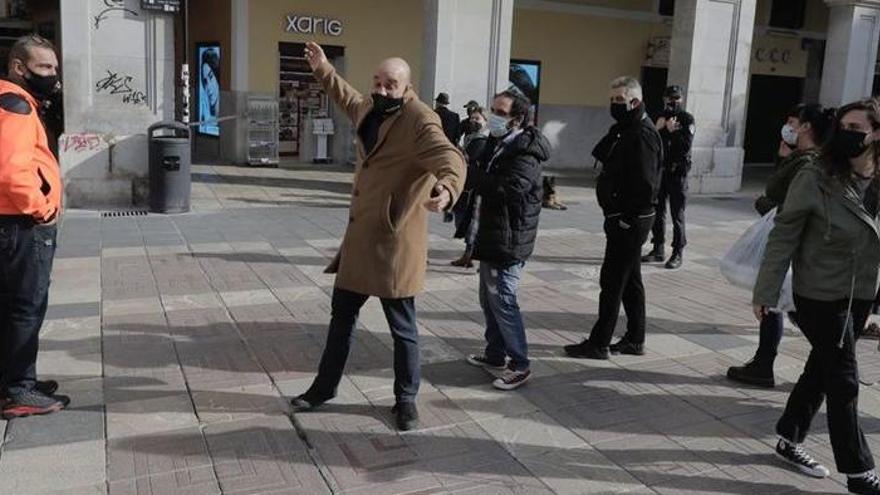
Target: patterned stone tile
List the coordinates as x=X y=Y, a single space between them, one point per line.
x=263 y=456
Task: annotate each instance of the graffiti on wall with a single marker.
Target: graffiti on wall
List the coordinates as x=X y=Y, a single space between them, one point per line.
x=109 y=7
x=115 y=83
x=79 y=143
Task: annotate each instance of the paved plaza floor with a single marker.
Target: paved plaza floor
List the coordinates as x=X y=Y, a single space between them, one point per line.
x=181 y=337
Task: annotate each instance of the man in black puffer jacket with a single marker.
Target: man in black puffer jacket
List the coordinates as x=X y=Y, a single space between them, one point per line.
x=631 y=155
x=507 y=182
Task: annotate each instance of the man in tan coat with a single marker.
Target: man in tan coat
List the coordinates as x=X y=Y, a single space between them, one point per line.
x=406 y=167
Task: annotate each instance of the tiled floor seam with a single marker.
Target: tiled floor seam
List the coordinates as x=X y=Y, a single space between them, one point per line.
x=312 y=453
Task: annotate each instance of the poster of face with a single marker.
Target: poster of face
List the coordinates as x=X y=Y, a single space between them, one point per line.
x=208 y=57
x=525 y=77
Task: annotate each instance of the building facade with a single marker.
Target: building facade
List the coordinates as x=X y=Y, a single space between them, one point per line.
x=742 y=63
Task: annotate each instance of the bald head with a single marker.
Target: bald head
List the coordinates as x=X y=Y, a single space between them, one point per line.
x=392 y=77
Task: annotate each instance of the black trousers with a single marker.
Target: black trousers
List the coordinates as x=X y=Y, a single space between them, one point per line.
x=26 y=254
x=620 y=281
x=831 y=370
x=674 y=188
x=401 y=317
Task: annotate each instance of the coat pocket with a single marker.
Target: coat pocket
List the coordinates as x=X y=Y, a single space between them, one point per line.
x=392 y=214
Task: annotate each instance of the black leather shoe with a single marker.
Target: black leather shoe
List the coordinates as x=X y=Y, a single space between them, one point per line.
x=674 y=261
x=407 y=416
x=753 y=373
x=624 y=346
x=655 y=256
x=586 y=350
x=303 y=403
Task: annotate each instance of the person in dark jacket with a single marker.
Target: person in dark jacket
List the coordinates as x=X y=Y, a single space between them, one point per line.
x=804 y=131
x=631 y=154
x=448 y=118
x=507 y=180
x=465 y=210
x=677 y=130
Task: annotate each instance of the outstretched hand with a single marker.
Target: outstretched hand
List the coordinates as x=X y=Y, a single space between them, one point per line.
x=314 y=54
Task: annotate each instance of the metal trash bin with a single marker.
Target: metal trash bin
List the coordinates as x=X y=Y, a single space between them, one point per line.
x=170 y=158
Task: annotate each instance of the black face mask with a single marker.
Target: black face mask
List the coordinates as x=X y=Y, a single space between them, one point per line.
x=672 y=107
x=850 y=143
x=619 y=111
x=385 y=105
x=41 y=87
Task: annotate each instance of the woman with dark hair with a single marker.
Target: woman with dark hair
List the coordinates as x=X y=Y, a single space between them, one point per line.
x=804 y=131
x=829 y=232
x=465 y=211
x=209 y=75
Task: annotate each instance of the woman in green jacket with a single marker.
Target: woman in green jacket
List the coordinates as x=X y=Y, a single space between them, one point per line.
x=830 y=234
x=804 y=131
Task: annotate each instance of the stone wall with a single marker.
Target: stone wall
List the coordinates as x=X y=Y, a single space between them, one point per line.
x=118 y=66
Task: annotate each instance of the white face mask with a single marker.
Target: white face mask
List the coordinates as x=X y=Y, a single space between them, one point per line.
x=498 y=126
x=789 y=135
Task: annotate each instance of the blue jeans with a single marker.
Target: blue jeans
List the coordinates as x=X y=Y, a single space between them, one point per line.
x=401 y=317
x=505 y=330
x=26 y=254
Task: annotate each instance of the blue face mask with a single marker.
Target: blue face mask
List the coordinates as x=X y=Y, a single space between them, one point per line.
x=499 y=126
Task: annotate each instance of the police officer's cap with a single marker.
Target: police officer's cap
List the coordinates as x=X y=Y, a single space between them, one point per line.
x=673 y=92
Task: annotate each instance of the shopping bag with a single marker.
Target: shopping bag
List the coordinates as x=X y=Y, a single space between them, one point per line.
x=742 y=262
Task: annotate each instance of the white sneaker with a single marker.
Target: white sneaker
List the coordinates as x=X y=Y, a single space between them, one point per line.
x=510 y=379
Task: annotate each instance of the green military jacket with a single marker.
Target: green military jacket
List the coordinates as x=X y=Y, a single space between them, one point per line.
x=830 y=238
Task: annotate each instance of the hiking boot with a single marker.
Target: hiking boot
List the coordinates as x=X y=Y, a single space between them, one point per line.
x=407 y=416
x=675 y=260
x=795 y=455
x=871 y=331
x=482 y=361
x=33 y=403
x=624 y=346
x=304 y=403
x=753 y=373
x=656 y=255
x=512 y=379
x=586 y=350
x=869 y=484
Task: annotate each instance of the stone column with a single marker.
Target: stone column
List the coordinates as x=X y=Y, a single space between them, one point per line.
x=118 y=67
x=710 y=54
x=851 y=51
x=466 y=50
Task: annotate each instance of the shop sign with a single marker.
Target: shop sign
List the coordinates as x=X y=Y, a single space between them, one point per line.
x=773 y=55
x=306 y=24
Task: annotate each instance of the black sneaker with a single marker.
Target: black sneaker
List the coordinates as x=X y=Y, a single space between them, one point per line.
x=303 y=403
x=407 y=416
x=753 y=373
x=586 y=350
x=624 y=346
x=796 y=456
x=482 y=361
x=675 y=260
x=33 y=403
x=512 y=379
x=656 y=255
x=868 y=484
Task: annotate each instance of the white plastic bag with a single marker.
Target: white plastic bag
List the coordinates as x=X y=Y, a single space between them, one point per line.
x=742 y=262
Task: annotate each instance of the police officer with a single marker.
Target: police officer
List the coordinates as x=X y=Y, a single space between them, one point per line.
x=677 y=131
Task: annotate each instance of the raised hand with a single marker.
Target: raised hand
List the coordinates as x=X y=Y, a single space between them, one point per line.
x=314 y=55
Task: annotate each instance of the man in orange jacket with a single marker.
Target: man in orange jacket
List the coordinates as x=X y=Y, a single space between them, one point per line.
x=30 y=205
